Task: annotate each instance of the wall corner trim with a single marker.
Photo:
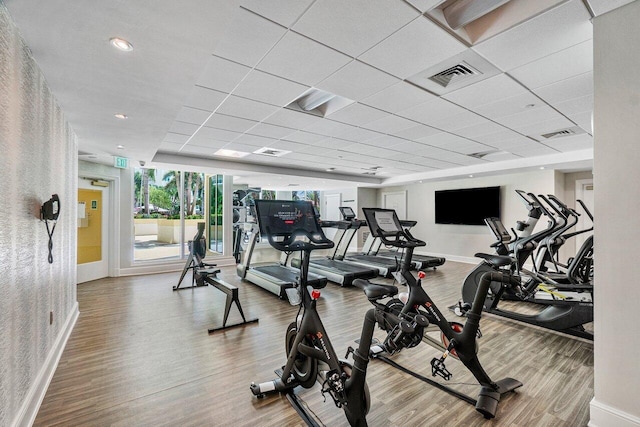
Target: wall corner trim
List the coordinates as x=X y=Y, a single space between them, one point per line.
x=604 y=415
x=29 y=409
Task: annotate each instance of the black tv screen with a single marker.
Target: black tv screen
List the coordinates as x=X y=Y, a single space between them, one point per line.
x=469 y=206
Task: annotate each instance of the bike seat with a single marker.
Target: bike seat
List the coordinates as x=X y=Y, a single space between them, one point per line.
x=496 y=260
x=375 y=291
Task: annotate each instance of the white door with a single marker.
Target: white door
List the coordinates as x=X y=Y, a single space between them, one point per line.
x=331 y=212
x=93 y=231
x=584 y=192
x=396 y=201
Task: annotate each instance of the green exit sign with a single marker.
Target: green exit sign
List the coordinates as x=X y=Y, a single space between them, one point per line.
x=121 y=162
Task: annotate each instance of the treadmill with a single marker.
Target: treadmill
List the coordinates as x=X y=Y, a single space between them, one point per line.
x=385 y=266
x=273 y=277
x=338 y=271
x=422 y=262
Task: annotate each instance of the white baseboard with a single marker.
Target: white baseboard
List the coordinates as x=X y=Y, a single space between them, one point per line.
x=29 y=409
x=603 y=415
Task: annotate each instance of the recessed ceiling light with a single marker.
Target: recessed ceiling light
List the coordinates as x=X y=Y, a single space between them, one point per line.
x=529 y=105
x=541 y=167
x=330 y=169
x=120 y=116
x=120 y=147
x=470 y=176
x=230 y=153
x=121 y=44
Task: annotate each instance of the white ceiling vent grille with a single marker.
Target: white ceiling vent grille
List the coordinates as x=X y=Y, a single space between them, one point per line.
x=558 y=134
x=454 y=74
x=318 y=102
x=272 y=152
x=483 y=154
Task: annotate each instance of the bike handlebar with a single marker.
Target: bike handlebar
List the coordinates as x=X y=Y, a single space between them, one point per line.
x=403 y=239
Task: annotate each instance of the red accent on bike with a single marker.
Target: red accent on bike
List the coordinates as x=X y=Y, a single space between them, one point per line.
x=315 y=294
x=421 y=275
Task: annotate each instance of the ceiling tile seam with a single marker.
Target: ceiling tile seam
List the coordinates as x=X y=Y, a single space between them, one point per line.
x=551 y=54
x=545 y=102
x=242 y=80
x=589 y=8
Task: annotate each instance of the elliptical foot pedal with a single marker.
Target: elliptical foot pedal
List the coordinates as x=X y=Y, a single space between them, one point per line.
x=506 y=385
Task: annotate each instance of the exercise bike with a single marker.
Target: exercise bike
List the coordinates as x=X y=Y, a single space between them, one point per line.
x=293 y=226
x=407 y=322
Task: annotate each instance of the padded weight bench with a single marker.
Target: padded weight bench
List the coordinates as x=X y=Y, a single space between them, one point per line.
x=204 y=274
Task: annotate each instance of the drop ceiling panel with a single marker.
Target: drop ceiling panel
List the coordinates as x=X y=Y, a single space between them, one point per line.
x=221 y=74
x=204 y=98
x=357 y=114
x=385 y=141
x=357 y=81
x=521 y=121
x=170 y=147
x=430 y=111
x=209 y=143
x=458 y=121
x=574 y=87
x=176 y=138
x=390 y=124
x=217 y=134
x=424 y=5
x=305 y=137
x=192 y=115
x=576 y=105
x=247 y=108
x=485 y=128
x=270 y=131
x=533 y=150
x=255 y=141
x=416 y=132
x=328 y=128
x=398 y=97
x=583 y=120
x=288 y=146
x=572 y=143
x=486 y=91
x=264 y=87
x=248 y=38
x=354 y=26
x=356 y=134
x=292 y=119
x=302 y=60
x=236 y=124
x=550 y=32
x=407 y=51
x=546 y=126
x=183 y=128
x=561 y=65
x=284 y=12
x=509 y=106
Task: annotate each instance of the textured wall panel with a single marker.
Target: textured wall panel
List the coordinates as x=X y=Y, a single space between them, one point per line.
x=37 y=159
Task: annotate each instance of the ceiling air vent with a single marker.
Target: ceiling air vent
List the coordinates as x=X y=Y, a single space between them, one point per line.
x=273 y=152
x=483 y=154
x=318 y=102
x=370 y=173
x=454 y=74
x=558 y=134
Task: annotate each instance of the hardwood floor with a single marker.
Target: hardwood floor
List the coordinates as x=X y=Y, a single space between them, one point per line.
x=140 y=355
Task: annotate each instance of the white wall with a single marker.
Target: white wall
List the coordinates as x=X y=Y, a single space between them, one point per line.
x=617 y=203
x=39 y=158
x=461 y=242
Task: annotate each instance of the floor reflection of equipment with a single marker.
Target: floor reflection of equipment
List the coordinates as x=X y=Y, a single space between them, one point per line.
x=204 y=274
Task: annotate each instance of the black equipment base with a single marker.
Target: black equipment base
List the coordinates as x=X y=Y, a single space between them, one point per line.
x=296 y=403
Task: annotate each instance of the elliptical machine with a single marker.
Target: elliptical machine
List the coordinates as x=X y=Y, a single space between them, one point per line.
x=564 y=310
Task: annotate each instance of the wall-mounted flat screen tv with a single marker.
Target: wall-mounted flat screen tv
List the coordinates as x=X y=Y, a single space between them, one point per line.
x=469 y=206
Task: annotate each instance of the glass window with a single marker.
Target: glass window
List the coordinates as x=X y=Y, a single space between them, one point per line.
x=215 y=213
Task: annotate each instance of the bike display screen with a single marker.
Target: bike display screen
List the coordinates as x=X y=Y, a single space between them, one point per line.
x=283 y=217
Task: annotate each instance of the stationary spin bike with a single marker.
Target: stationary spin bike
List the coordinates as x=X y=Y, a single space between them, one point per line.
x=406 y=323
x=292 y=226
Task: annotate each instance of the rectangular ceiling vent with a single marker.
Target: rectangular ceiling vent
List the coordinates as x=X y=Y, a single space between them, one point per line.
x=454 y=74
x=370 y=173
x=483 y=154
x=558 y=134
x=272 y=152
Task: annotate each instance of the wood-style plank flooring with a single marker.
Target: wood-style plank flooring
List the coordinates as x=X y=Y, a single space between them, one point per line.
x=140 y=355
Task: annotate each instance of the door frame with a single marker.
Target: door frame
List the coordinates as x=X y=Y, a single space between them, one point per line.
x=113 y=224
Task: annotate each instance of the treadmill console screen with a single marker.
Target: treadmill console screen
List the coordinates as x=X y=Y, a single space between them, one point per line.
x=347 y=213
x=498 y=229
x=283 y=217
x=382 y=219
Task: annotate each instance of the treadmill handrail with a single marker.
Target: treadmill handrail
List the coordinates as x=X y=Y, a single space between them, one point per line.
x=291 y=241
